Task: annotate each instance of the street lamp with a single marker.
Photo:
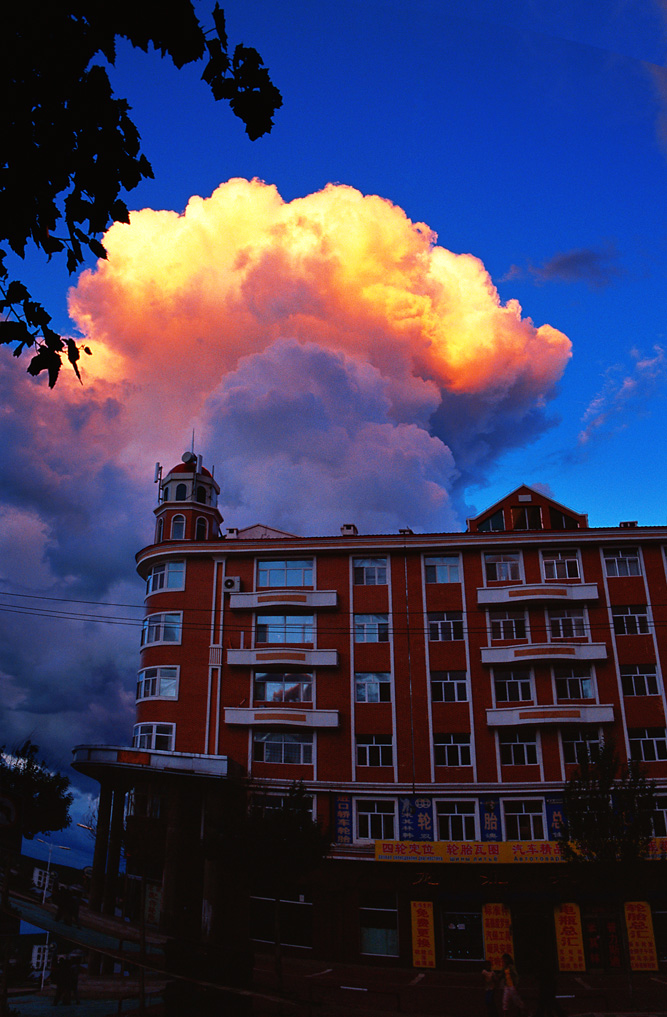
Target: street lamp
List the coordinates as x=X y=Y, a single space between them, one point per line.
x=60 y=847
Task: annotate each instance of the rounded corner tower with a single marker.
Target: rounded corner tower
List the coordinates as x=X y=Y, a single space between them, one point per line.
x=187 y=507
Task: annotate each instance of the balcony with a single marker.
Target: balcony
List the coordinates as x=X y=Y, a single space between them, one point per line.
x=282 y=656
x=563 y=592
x=254 y=600
x=276 y=716
x=543 y=651
x=561 y=713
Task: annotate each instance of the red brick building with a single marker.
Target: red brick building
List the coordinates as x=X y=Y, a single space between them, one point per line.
x=432 y=692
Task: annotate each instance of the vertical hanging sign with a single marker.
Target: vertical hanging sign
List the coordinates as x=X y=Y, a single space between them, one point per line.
x=415 y=818
x=569 y=940
x=497 y=925
x=489 y=808
x=641 y=941
x=344 y=819
x=423 y=938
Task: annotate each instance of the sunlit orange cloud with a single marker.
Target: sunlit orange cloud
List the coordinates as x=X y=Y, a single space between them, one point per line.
x=183 y=297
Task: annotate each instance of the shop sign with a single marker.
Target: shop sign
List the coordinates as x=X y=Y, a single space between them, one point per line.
x=344 y=819
x=423 y=936
x=497 y=926
x=641 y=941
x=470 y=852
x=569 y=940
x=415 y=816
x=489 y=808
x=153 y=903
x=555 y=816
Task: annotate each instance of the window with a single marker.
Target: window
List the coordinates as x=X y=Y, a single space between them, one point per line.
x=181 y=492
x=513 y=686
x=201 y=494
x=631 y=620
x=452 y=749
x=283 y=687
x=282 y=747
x=449 y=686
x=170 y=575
x=502 y=567
x=374 y=750
x=273 y=802
x=574 y=682
x=639 y=680
x=295 y=919
x=524 y=819
x=526 y=517
x=445 y=625
x=378 y=923
x=159 y=531
x=372 y=686
x=648 y=744
x=660 y=817
x=442 y=570
x=518 y=747
x=162 y=628
x=560 y=564
x=371 y=628
x=178 y=528
x=154 y=736
x=375 y=819
x=201 y=529
x=622 y=562
x=506 y=624
x=493 y=522
x=561 y=521
x=456 y=820
x=370 y=571
x=285 y=573
x=157 y=681
x=284 y=628
x=580 y=744
x=567 y=623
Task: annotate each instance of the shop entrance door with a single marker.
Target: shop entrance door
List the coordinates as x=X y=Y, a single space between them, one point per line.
x=602 y=939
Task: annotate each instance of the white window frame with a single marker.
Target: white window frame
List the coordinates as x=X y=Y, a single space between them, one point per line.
x=380 y=681
x=285 y=629
x=371 y=628
x=302 y=739
x=457 y=748
x=521 y=742
x=166 y=575
x=639 y=676
x=370 y=571
x=537 y=818
x=462 y=820
x=155 y=737
x=445 y=626
x=638 y=626
x=375 y=750
x=198 y=524
x=288 y=680
x=561 y=675
x=520 y=515
x=507 y=623
x=648 y=744
x=145 y=681
x=442 y=568
x=620 y=562
x=271 y=571
x=561 y=565
x=505 y=566
x=384 y=829
x=391 y=942
x=150 y=623
x=180 y=521
x=574 y=736
x=453 y=686
x=567 y=623
x=520 y=678
x=660 y=816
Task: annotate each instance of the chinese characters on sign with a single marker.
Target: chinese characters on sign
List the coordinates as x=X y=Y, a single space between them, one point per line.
x=344 y=819
x=569 y=940
x=415 y=817
x=496 y=922
x=532 y=852
x=641 y=943
x=423 y=938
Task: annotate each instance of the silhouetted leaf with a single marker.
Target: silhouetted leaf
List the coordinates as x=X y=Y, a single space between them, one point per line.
x=46 y=360
x=14 y=332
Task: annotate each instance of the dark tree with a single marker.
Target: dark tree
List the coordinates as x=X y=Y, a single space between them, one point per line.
x=44 y=797
x=608 y=808
x=69 y=145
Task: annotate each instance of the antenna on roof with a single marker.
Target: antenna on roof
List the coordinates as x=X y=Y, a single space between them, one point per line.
x=193 y=440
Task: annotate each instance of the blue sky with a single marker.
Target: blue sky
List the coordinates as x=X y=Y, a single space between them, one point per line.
x=529 y=135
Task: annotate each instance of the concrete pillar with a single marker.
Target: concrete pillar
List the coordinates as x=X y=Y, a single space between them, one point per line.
x=113 y=856
x=101 y=846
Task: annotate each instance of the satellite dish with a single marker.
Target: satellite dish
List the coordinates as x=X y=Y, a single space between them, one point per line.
x=188 y=457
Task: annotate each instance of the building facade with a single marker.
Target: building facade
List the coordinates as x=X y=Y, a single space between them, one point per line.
x=431 y=692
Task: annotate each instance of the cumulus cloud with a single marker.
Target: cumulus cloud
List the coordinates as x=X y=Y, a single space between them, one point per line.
x=337 y=364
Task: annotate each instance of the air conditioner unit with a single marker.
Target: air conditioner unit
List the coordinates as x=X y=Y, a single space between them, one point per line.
x=231 y=584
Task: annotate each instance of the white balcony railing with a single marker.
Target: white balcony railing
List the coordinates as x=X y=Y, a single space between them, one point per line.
x=257 y=599
x=282 y=655
x=564 y=592
x=543 y=651
x=561 y=713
